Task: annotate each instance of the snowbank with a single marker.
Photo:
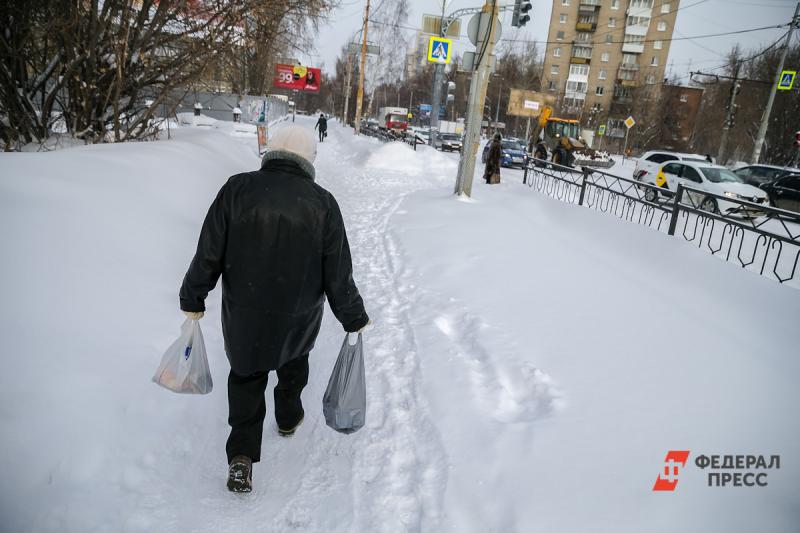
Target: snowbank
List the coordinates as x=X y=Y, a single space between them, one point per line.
x=579 y=350
x=96 y=240
x=400 y=157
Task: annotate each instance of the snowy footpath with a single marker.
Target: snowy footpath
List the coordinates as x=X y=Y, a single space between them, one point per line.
x=530 y=365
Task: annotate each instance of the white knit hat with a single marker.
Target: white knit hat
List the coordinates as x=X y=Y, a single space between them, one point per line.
x=294 y=143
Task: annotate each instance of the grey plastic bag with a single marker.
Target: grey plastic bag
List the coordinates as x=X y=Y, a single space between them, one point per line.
x=184 y=367
x=345 y=402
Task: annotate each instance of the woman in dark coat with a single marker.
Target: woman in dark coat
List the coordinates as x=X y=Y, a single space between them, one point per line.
x=492 y=172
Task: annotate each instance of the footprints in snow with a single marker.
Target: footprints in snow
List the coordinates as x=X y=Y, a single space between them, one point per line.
x=516 y=392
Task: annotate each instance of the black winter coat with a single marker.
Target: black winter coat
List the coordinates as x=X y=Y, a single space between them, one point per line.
x=278 y=240
x=322 y=124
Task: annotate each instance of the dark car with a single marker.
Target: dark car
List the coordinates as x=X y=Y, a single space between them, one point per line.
x=513 y=153
x=784 y=192
x=759 y=174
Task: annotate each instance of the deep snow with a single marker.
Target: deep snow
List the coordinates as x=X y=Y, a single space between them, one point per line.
x=530 y=365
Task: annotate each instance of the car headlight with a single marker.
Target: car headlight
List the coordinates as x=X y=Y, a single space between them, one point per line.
x=505 y=154
x=731 y=194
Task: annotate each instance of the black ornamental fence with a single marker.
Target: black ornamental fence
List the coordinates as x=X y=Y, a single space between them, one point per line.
x=751 y=235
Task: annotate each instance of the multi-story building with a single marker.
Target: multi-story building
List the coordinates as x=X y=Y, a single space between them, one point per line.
x=601 y=53
x=417 y=55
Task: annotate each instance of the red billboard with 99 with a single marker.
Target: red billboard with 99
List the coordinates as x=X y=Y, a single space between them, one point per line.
x=297 y=77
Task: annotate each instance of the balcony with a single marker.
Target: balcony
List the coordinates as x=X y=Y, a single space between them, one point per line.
x=591 y=3
x=586 y=26
x=628 y=75
x=633 y=48
x=576 y=60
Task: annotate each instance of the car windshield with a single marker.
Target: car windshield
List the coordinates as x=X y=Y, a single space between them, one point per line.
x=720 y=175
x=451 y=137
x=695 y=159
x=511 y=145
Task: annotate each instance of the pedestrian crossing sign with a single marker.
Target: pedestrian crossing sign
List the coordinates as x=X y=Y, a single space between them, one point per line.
x=787 y=80
x=440 y=50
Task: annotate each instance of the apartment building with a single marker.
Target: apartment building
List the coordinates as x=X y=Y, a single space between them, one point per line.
x=601 y=54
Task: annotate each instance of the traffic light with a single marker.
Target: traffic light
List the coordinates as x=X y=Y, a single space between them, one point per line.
x=520 y=16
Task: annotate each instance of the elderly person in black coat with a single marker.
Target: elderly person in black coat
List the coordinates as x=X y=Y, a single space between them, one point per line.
x=278 y=240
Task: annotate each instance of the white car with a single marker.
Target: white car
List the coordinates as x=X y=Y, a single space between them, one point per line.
x=705 y=177
x=651 y=161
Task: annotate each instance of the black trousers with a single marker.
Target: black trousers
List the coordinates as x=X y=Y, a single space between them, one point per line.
x=247 y=406
x=322 y=134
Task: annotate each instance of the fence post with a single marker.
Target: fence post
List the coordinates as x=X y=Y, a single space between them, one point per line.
x=673 y=219
x=584 y=175
x=525 y=176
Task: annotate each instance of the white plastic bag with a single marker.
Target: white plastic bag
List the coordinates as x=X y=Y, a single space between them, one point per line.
x=184 y=367
x=345 y=401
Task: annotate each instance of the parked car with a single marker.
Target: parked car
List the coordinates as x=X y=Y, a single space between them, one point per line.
x=706 y=177
x=758 y=175
x=784 y=192
x=513 y=153
x=448 y=142
x=651 y=161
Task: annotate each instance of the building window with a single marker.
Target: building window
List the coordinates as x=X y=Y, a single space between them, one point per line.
x=650 y=79
x=599 y=91
x=551 y=85
x=556 y=52
x=658 y=45
x=612 y=22
x=614 y=4
x=604 y=57
x=559 y=36
x=602 y=74
x=629 y=59
x=684 y=98
x=576 y=87
x=609 y=38
x=654 y=61
x=579 y=70
x=665 y=7
x=562 y=18
x=564 y=2
x=554 y=70
x=662 y=26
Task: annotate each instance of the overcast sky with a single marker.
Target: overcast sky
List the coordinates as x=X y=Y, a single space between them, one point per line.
x=696 y=17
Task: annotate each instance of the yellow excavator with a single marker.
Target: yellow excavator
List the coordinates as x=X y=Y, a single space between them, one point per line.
x=559 y=138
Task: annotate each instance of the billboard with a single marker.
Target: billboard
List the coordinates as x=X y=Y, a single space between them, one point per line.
x=297 y=77
x=527 y=103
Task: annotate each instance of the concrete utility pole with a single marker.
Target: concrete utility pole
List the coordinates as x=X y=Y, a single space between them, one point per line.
x=723 y=143
x=762 y=130
x=360 y=96
x=477 y=97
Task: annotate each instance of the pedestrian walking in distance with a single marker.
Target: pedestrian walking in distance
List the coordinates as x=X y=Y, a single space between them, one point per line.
x=322 y=125
x=278 y=240
x=492 y=170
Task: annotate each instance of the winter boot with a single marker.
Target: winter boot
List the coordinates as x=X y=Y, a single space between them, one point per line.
x=240 y=474
x=288 y=432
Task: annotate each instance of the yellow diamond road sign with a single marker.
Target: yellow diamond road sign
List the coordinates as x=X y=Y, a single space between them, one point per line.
x=440 y=50
x=629 y=122
x=787 y=80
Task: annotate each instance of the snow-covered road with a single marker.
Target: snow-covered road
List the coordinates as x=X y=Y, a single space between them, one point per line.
x=530 y=364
